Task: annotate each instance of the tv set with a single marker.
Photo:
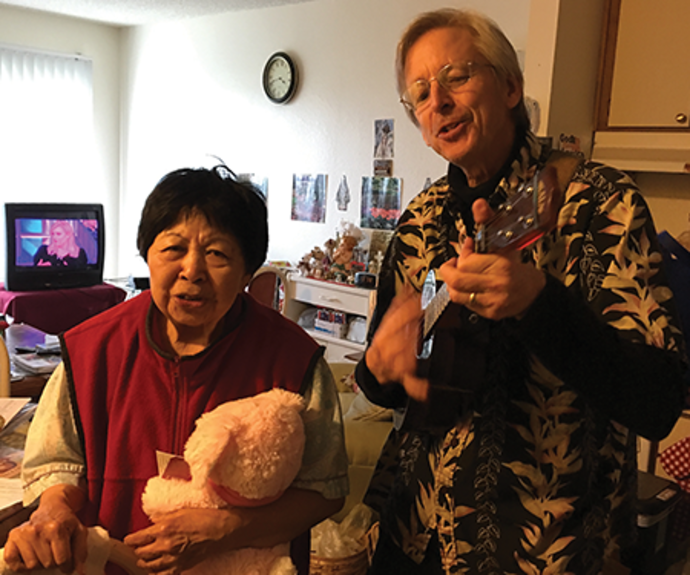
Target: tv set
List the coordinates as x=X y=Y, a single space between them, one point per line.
x=54 y=246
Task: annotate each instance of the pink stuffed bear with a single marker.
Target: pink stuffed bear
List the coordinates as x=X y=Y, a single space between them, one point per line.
x=243 y=453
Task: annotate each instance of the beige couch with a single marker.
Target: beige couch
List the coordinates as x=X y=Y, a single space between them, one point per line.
x=366 y=428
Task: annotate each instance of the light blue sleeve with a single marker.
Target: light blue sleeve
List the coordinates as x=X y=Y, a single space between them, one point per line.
x=53 y=453
x=324 y=465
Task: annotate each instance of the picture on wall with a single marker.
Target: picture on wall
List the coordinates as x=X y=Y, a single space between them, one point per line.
x=383 y=139
x=380 y=202
x=309 y=197
x=342 y=196
x=383 y=168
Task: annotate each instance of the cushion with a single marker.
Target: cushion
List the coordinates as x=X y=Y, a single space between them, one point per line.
x=344 y=376
x=361 y=409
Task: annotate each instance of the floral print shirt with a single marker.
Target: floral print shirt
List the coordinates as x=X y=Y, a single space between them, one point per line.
x=539 y=476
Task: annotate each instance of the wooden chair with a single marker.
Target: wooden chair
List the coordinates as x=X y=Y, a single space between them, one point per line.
x=4 y=369
x=265 y=286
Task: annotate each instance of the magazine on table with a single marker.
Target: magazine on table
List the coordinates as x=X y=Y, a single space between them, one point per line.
x=35 y=363
x=15 y=416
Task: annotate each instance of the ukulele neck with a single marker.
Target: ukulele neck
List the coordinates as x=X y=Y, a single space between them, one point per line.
x=516 y=224
x=434 y=309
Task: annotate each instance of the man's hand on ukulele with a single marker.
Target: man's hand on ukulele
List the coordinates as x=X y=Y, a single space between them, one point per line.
x=494 y=285
x=392 y=355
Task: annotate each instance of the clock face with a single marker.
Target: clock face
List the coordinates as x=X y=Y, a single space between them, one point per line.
x=280 y=78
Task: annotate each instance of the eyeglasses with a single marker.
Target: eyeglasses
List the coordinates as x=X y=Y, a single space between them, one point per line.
x=451 y=77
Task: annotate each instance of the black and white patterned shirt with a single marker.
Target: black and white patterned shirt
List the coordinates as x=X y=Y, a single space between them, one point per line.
x=540 y=475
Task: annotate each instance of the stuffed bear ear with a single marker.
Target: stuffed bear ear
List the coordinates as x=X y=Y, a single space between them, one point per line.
x=212 y=436
x=285 y=398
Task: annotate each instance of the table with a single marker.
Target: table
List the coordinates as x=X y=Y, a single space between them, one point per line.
x=25 y=336
x=55 y=311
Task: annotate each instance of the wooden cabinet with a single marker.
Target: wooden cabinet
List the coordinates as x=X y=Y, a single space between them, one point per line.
x=646 y=69
x=303 y=293
x=643 y=98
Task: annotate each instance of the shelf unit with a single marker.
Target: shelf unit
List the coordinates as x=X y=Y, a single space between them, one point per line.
x=303 y=292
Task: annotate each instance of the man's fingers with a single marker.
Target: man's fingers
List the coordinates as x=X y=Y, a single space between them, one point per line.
x=416 y=387
x=408 y=300
x=481 y=211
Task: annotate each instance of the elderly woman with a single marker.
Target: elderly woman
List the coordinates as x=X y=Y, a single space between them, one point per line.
x=135 y=378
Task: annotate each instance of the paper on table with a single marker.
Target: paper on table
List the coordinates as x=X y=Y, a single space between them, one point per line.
x=9 y=407
x=10 y=491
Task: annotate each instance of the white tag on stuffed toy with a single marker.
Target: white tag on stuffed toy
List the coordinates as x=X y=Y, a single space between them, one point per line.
x=172 y=466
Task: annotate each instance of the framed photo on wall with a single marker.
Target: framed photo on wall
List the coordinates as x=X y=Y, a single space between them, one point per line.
x=380 y=202
x=309 y=198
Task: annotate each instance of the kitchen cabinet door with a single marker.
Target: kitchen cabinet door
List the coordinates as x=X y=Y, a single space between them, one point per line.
x=650 y=86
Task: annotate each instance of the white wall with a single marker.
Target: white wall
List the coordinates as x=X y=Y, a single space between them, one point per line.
x=102 y=44
x=194 y=88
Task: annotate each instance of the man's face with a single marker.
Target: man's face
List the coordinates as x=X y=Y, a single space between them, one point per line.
x=473 y=127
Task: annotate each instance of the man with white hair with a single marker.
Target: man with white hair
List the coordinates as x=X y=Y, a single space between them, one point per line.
x=516 y=453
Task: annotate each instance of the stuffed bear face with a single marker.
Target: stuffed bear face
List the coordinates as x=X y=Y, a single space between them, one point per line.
x=252 y=447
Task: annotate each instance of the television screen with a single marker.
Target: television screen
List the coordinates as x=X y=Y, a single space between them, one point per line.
x=53 y=246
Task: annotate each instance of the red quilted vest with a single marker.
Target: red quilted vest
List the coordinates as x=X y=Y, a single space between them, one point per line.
x=132 y=399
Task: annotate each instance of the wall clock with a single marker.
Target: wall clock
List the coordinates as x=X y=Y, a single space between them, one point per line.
x=280 y=78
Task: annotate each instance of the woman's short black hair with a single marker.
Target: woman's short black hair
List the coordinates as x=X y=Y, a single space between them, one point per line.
x=233 y=207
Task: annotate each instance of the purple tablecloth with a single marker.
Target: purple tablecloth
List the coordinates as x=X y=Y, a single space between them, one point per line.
x=55 y=311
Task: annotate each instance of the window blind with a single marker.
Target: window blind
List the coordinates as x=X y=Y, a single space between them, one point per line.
x=46 y=126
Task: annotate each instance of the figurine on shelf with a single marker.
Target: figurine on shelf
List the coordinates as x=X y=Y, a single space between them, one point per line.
x=304 y=265
x=335 y=263
x=376 y=262
x=343 y=255
x=318 y=259
x=330 y=246
x=318 y=270
x=350 y=236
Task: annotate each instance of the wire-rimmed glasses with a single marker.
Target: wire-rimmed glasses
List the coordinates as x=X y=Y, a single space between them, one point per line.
x=452 y=77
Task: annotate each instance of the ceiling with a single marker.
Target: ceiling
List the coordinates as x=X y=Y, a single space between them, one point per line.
x=134 y=12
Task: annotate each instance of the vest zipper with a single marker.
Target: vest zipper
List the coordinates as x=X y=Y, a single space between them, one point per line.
x=178 y=395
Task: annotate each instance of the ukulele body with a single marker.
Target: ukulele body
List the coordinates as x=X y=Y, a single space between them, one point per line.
x=455 y=369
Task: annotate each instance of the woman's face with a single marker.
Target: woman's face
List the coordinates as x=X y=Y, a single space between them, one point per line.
x=58 y=237
x=197 y=272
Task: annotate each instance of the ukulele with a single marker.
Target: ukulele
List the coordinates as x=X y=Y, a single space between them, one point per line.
x=453 y=339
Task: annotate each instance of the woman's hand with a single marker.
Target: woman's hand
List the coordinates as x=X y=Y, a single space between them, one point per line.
x=495 y=285
x=181 y=539
x=392 y=355
x=53 y=536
